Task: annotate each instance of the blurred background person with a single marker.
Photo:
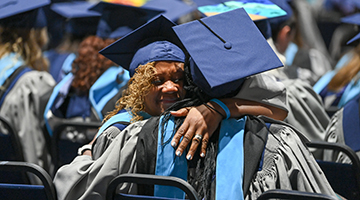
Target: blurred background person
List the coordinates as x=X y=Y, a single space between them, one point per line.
x=25 y=83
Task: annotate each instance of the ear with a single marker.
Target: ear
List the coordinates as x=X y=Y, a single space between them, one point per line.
x=284 y=33
x=283 y=38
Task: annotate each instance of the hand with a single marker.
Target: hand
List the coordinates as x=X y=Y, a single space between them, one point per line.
x=199 y=120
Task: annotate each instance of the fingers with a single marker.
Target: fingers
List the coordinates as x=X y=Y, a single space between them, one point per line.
x=188 y=137
x=204 y=144
x=196 y=140
x=181 y=112
x=179 y=134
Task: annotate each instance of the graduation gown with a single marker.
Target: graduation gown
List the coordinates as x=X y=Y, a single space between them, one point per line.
x=22 y=105
x=287 y=163
x=344 y=128
x=101 y=99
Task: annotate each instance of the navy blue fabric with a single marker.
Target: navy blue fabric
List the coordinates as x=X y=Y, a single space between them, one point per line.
x=130 y=18
x=351 y=124
x=78 y=106
x=122 y=51
x=13 y=83
x=229 y=51
x=156 y=51
x=325 y=93
x=56 y=62
x=23 y=13
x=21 y=191
x=120 y=126
x=80 y=20
x=174 y=9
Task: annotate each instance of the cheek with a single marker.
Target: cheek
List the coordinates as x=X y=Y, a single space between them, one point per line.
x=150 y=99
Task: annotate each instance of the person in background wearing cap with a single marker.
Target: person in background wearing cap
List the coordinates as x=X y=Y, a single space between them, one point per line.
x=134 y=149
x=25 y=82
x=339 y=86
x=78 y=23
x=293 y=44
x=339 y=90
x=307 y=54
x=306 y=111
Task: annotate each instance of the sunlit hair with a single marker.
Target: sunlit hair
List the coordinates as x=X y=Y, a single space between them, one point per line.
x=346 y=73
x=26 y=43
x=133 y=97
x=90 y=64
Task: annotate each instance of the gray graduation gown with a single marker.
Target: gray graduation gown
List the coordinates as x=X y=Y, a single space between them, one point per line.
x=288 y=164
x=335 y=134
x=22 y=107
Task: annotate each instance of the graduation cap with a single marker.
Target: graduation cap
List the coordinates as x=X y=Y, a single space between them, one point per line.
x=258 y=10
x=174 y=9
x=118 y=20
x=136 y=3
x=200 y=3
x=352 y=19
x=153 y=41
x=276 y=22
x=80 y=20
x=225 y=49
x=23 y=13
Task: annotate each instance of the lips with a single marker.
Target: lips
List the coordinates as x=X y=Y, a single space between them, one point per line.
x=169 y=101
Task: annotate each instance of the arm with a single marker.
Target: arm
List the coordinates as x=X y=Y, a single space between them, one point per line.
x=204 y=121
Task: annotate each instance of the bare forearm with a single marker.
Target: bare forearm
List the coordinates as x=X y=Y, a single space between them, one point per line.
x=240 y=107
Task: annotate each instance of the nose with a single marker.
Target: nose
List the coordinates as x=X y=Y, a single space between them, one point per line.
x=169 y=87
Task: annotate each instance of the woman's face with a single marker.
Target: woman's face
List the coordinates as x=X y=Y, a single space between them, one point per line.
x=168 y=87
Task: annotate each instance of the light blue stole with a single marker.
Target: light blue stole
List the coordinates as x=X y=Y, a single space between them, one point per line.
x=229 y=164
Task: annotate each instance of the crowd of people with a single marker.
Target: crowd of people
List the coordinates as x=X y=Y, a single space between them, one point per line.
x=222 y=94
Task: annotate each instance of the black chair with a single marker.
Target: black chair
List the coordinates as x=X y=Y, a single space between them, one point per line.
x=67 y=137
x=150 y=180
x=344 y=178
x=25 y=191
x=293 y=195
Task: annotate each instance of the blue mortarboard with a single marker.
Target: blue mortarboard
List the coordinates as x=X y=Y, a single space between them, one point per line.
x=224 y=49
x=207 y=2
x=153 y=41
x=118 y=20
x=174 y=9
x=352 y=19
x=81 y=21
x=23 y=13
x=276 y=22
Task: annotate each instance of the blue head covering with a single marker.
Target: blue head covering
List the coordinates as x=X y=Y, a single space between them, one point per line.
x=174 y=9
x=81 y=20
x=225 y=49
x=23 y=13
x=118 y=20
x=154 y=41
x=276 y=22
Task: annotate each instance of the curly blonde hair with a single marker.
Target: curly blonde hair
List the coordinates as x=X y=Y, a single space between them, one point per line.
x=134 y=96
x=27 y=43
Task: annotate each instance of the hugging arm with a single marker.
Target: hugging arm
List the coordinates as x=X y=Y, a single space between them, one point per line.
x=203 y=120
